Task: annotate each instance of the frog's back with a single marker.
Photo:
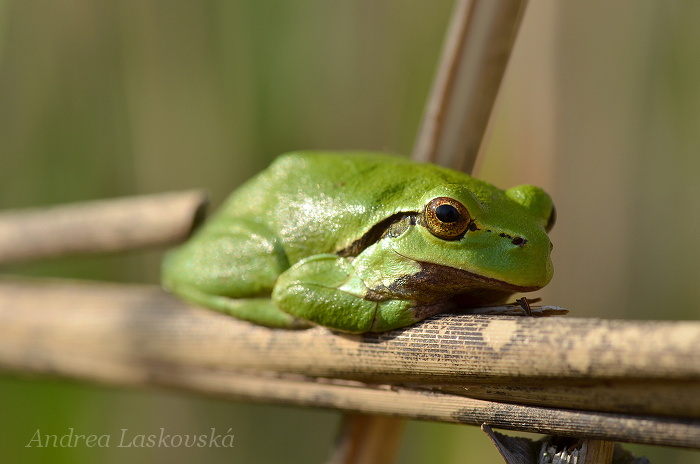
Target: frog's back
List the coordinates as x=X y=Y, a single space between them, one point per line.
x=350 y=176
x=355 y=172
x=333 y=198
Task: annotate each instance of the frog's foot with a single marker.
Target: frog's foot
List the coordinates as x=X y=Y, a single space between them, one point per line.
x=515 y=309
x=325 y=290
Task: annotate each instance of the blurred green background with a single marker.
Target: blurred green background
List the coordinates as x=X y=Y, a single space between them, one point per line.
x=600 y=106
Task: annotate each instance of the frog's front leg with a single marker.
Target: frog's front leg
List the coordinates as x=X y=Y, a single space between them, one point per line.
x=231 y=266
x=327 y=290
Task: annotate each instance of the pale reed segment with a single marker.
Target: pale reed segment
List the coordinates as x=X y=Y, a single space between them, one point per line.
x=474 y=59
x=99 y=226
x=45 y=324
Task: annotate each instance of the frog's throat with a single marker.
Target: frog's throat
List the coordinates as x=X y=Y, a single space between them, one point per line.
x=435 y=282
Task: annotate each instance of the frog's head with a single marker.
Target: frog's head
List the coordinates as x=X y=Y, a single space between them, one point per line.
x=479 y=243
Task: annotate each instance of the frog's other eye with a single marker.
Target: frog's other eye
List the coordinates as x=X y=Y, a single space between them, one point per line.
x=446 y=218
x=552 y=219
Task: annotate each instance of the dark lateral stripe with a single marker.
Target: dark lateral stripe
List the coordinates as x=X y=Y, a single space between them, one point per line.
x=373 y=235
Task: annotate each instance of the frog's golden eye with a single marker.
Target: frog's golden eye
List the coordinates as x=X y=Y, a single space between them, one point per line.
x=446 y=218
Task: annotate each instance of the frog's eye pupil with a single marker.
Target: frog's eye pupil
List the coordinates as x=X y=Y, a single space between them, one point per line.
x=447 y=213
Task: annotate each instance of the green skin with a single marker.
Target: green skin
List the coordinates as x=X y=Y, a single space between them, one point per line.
x=343 y=240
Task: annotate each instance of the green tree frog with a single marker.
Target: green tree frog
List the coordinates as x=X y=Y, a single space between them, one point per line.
x=363 y=242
